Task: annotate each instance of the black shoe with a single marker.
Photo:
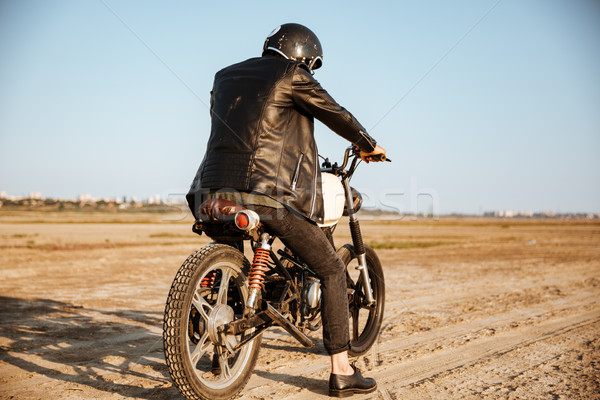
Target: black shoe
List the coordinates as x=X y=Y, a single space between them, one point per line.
x=347 y=385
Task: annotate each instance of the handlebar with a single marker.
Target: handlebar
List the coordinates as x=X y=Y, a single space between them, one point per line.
x=348 y=154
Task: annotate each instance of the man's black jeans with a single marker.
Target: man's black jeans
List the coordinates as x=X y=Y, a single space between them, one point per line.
x=308 y=241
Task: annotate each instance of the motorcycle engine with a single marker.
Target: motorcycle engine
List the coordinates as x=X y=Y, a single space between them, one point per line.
x=311 y=297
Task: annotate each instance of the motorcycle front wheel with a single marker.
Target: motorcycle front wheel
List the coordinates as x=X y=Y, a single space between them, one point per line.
x=209 y=290
x=365 y=320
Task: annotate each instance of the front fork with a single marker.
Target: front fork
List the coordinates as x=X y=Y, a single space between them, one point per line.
x=359 y=246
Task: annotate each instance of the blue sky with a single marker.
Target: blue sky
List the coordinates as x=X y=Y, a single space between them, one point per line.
x=486 y=104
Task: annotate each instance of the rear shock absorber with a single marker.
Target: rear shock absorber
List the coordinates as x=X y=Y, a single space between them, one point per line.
x=258 y=270
x=208 y=280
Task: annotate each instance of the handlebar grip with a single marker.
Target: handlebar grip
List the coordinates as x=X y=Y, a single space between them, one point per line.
x=376 y=157
x=380 y=157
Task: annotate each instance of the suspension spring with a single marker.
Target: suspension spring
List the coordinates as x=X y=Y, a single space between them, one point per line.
x=208 y=280
x=259 y=268
x=260 y=265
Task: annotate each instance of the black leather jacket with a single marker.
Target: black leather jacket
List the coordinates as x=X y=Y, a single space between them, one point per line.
x=262 y=134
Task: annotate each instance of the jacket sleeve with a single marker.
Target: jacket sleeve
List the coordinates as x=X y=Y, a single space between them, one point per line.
x=309 y=96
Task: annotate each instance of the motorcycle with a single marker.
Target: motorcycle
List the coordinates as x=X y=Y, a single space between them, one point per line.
x=220 y=303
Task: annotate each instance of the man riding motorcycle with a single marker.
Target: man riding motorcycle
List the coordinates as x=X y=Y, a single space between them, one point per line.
x=262 y=147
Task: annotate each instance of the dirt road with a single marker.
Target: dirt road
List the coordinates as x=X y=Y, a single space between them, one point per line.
x=476 y=308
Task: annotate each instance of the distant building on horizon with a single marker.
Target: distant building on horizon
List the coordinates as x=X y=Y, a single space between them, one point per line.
x=154 y=199
x=540 y=214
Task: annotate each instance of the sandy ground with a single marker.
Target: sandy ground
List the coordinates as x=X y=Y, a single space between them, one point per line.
x=476 y=308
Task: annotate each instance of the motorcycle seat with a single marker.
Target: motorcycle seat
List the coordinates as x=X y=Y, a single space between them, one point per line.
x=219 y=210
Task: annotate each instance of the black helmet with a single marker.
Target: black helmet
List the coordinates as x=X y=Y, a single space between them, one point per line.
x=296 y=42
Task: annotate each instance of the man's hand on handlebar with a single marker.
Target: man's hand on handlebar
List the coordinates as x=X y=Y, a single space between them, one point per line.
x=376 y=155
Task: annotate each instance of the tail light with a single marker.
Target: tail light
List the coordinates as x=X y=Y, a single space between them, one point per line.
x=246 y=220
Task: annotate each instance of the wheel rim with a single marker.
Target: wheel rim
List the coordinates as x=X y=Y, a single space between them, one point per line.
x=212 y=306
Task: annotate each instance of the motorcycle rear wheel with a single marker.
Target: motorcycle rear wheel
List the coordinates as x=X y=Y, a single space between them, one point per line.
x=365 y=321
x=209 y=290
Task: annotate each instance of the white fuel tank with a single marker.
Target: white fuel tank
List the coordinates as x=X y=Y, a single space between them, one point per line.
x=333 y=199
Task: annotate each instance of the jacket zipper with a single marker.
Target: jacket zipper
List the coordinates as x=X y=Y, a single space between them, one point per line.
x=297 y=172
x=314 y=193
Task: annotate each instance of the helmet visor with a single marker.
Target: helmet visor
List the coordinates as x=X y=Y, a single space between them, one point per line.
x=315 y=63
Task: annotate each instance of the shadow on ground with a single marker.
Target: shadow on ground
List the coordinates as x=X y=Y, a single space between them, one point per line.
x=111 y=351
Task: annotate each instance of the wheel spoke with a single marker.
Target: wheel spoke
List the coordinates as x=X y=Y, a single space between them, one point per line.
x=224 y=364
x=361 y=295
x=224 y=286
x=201 y=348
x=201 y=305
x=359 y=285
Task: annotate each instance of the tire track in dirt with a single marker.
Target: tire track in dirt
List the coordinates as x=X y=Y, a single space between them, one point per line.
x=476 y=289
x=400 y=343
x=495 y=322
x=427 y=367
x=393 y=373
